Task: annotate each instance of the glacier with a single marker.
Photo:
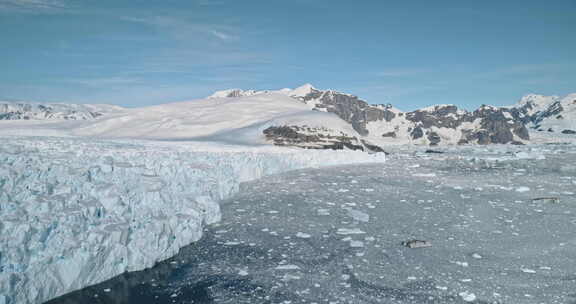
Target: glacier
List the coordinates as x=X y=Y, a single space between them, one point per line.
x=75 y=211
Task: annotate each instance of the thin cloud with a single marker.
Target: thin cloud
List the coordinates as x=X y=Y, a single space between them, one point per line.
x=402 y=72
x=182 y=29
x=525 y=72
x=222 y=36
x=106 y=81
x=187 y=45
x=529 y=68
x=32 y=6
x=209 y=2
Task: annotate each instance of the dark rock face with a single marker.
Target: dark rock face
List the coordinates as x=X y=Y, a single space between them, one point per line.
x=555 y=110
x=313 y=138
x=441 y=117
x=568 y=131
x=496 y=125
x=433 y=152
x=373 y=148
x=434 y=138
x=350 y=108
x=496 y=128
x=417 y=133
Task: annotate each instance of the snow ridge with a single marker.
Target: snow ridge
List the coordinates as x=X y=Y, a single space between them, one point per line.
x=52 y=111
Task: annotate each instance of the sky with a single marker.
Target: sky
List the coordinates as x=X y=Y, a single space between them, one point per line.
x=408 y=53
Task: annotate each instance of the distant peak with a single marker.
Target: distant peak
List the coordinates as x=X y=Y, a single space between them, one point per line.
x=232 y=93
x=303 y=90
x=306 y=86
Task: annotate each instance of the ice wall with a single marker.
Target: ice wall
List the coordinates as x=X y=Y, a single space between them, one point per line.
x=75 y=212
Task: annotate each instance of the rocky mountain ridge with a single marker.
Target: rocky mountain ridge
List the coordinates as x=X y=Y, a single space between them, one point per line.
x=52 y=111
x=434 y=125
x=369 y=126
x=548 y=113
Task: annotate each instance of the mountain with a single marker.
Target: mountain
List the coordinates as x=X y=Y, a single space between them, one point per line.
x=384 y=124
x=244 y=117
x=52 y=111
x=548 y=113
x=253 y=119
x=440 y=124
x=304 y=117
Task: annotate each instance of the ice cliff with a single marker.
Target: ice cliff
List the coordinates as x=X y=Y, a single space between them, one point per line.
x=75 y=212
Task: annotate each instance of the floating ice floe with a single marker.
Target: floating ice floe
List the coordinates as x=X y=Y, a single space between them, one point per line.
x=522 y=189
x=303 y=235
x=347 y=231
x=287 y=267
x=424 y=174
x=356 y=244
x=467 y=296
x=527 y=270
x=359 y=215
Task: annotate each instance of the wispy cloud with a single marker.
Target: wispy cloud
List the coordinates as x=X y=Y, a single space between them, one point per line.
x=531 y=73
x=106 y=81
x=402 y=72
x=183 y=29
x=209 y=2
x=529 y=68
x=33 y=6
x=186 y=45
x=221 y=35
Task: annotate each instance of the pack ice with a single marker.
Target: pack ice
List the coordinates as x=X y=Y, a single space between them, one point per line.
x=75 y=212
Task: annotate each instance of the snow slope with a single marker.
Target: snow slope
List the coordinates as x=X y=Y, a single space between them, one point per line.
x=238 y=120
x=79 y=211
x=300 y=91
x=212 y=117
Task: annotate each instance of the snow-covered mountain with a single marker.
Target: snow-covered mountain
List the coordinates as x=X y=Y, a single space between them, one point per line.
x=548 y=113
x=304 y=117
x=300 y=91
x=249 y=118
x=440 y=124
x=384 y=124
x=52 y=111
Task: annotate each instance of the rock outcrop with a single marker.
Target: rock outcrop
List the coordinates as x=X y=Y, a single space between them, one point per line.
x=316 y=138
x=434 y=125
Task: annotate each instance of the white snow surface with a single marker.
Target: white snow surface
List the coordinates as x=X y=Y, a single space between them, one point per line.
x=77 y=211
x=300 y=91
x=238 y=120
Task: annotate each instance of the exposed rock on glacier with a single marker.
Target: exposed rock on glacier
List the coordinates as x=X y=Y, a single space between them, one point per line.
x=316 y=138
x=75 y=212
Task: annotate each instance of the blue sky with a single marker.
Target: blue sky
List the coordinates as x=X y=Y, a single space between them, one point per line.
x=409 y=53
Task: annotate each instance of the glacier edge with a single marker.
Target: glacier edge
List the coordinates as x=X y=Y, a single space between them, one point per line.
x=75 y=212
